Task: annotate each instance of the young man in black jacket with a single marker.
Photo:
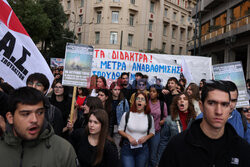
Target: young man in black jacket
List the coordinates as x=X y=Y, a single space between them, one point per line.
x=53 y=115
x=209 y=141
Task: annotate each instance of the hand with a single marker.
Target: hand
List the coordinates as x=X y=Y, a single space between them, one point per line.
x=70 y=126
x=142 y=140
x=76 y=105
x=81 y=107
x=165 y=91
x=132 y=141
x=162 y=122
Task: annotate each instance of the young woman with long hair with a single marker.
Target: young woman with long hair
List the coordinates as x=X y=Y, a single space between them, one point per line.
x=101 y=83
x=93 y=146
x=182 y=113
x=193 y=92
x=136 y=128
x=159 y=113
x=92 y=85
x=119 y=106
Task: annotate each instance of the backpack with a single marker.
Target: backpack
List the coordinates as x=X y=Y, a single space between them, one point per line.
x=149 y=121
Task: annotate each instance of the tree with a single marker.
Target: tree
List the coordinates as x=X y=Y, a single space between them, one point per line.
x=33 y=18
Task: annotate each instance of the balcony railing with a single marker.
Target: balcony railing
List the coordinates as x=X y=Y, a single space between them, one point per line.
x=222 y=30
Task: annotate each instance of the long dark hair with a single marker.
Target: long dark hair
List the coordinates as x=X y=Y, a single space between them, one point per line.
x=93 y=103
x=174 y=108
x=65 y=92
x=113 y=85
x=102 y=116
x=108 y=102
x=195 y=91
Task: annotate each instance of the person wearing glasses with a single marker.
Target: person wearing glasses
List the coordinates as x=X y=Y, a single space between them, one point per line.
x=60 y=98
x=53 y=114
x=210 y=141
x=136 y=128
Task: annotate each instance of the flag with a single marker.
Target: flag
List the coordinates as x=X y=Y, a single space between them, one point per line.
x=19 y=56
x=186 y=71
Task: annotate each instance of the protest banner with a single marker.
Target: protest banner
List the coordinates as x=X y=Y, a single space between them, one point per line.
x=233 y=71
x=111 y=63
x=19 y=56
x=56 y=62
x=77 y=68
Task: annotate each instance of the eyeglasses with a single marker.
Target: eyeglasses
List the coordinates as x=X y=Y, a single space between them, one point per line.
x=34 y=83
x=246 y=109
x=58 y=87
x=140 y=98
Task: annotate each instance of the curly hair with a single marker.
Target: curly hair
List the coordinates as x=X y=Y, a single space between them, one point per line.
x=174 y=108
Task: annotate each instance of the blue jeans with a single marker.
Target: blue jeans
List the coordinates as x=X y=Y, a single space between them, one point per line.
x=153 y=149
x=134 y=157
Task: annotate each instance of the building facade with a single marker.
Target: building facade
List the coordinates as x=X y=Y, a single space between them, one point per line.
x=136 y=25
x=224 y=31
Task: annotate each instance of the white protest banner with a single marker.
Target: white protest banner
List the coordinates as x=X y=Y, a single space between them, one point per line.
x=19 y=56
x=77 y=64
x=233 y=71
x=56 y=62
x=111 y=63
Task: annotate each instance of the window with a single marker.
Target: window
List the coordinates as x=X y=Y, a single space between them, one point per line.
x=131 y=19
x=165 y=30
x=79 y=37
x=182 y=34
x=166 y=12
x=113 y=37
x=182 y=19
x=98 y=0
x=163 y=46
x=149 y=44
x=174 y=16
x=116 y=0
x=189 y=34
x=68 y=5
x=132 y=1
x=152 y=6
x=130 y=39
x=172 y=49
x=150 y=25
x=115 y=17
x=82 y=3
x=97 y=37
x=180 y=50
x=80 y=19
x=99 y=17
x=174 y=32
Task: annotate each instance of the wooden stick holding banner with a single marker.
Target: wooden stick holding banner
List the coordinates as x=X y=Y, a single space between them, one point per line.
x=73 y=105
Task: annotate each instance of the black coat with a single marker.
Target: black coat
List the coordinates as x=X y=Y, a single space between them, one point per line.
x=187 y=149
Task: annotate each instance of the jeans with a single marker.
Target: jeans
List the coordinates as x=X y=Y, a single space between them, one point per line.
x=134 y=157
x=153 y=149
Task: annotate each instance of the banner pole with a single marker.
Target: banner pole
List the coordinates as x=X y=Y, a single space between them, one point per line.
x=73 y=104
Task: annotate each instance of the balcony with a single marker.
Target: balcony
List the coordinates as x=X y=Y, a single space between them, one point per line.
x=98 y=5
x=115 y=5
x=133 y=7
x=237 y=27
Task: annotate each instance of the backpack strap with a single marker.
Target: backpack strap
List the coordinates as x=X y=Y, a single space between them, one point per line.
x=51 y=114
x=149 y=122
x=126 y=120
x=162 y=109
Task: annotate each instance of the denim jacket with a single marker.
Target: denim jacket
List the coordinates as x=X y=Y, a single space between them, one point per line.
x=120 y=110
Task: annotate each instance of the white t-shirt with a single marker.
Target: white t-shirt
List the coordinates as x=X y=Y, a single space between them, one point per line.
x=137 y=125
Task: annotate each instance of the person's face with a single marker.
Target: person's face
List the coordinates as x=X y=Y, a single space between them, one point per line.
x=141 y=86
x=27 y=120
x=201 y=84
x=140 y=102
x=248 y=86
x=102 y=97
x=189 y=91
x=234 y=96
x=172 y=85
x=153 y=93
x=100 y=83
x=94 y=125
x=58 y=89
x=182 y=83
x=137 y=77
x=246 y=112
x=79 y=91
x=86 y=109
x=116 y=91
x=216 y=110
x=125 y=80
x=37 y=85
x=182 y=103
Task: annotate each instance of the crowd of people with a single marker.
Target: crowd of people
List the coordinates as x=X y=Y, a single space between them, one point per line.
x=128 y=125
